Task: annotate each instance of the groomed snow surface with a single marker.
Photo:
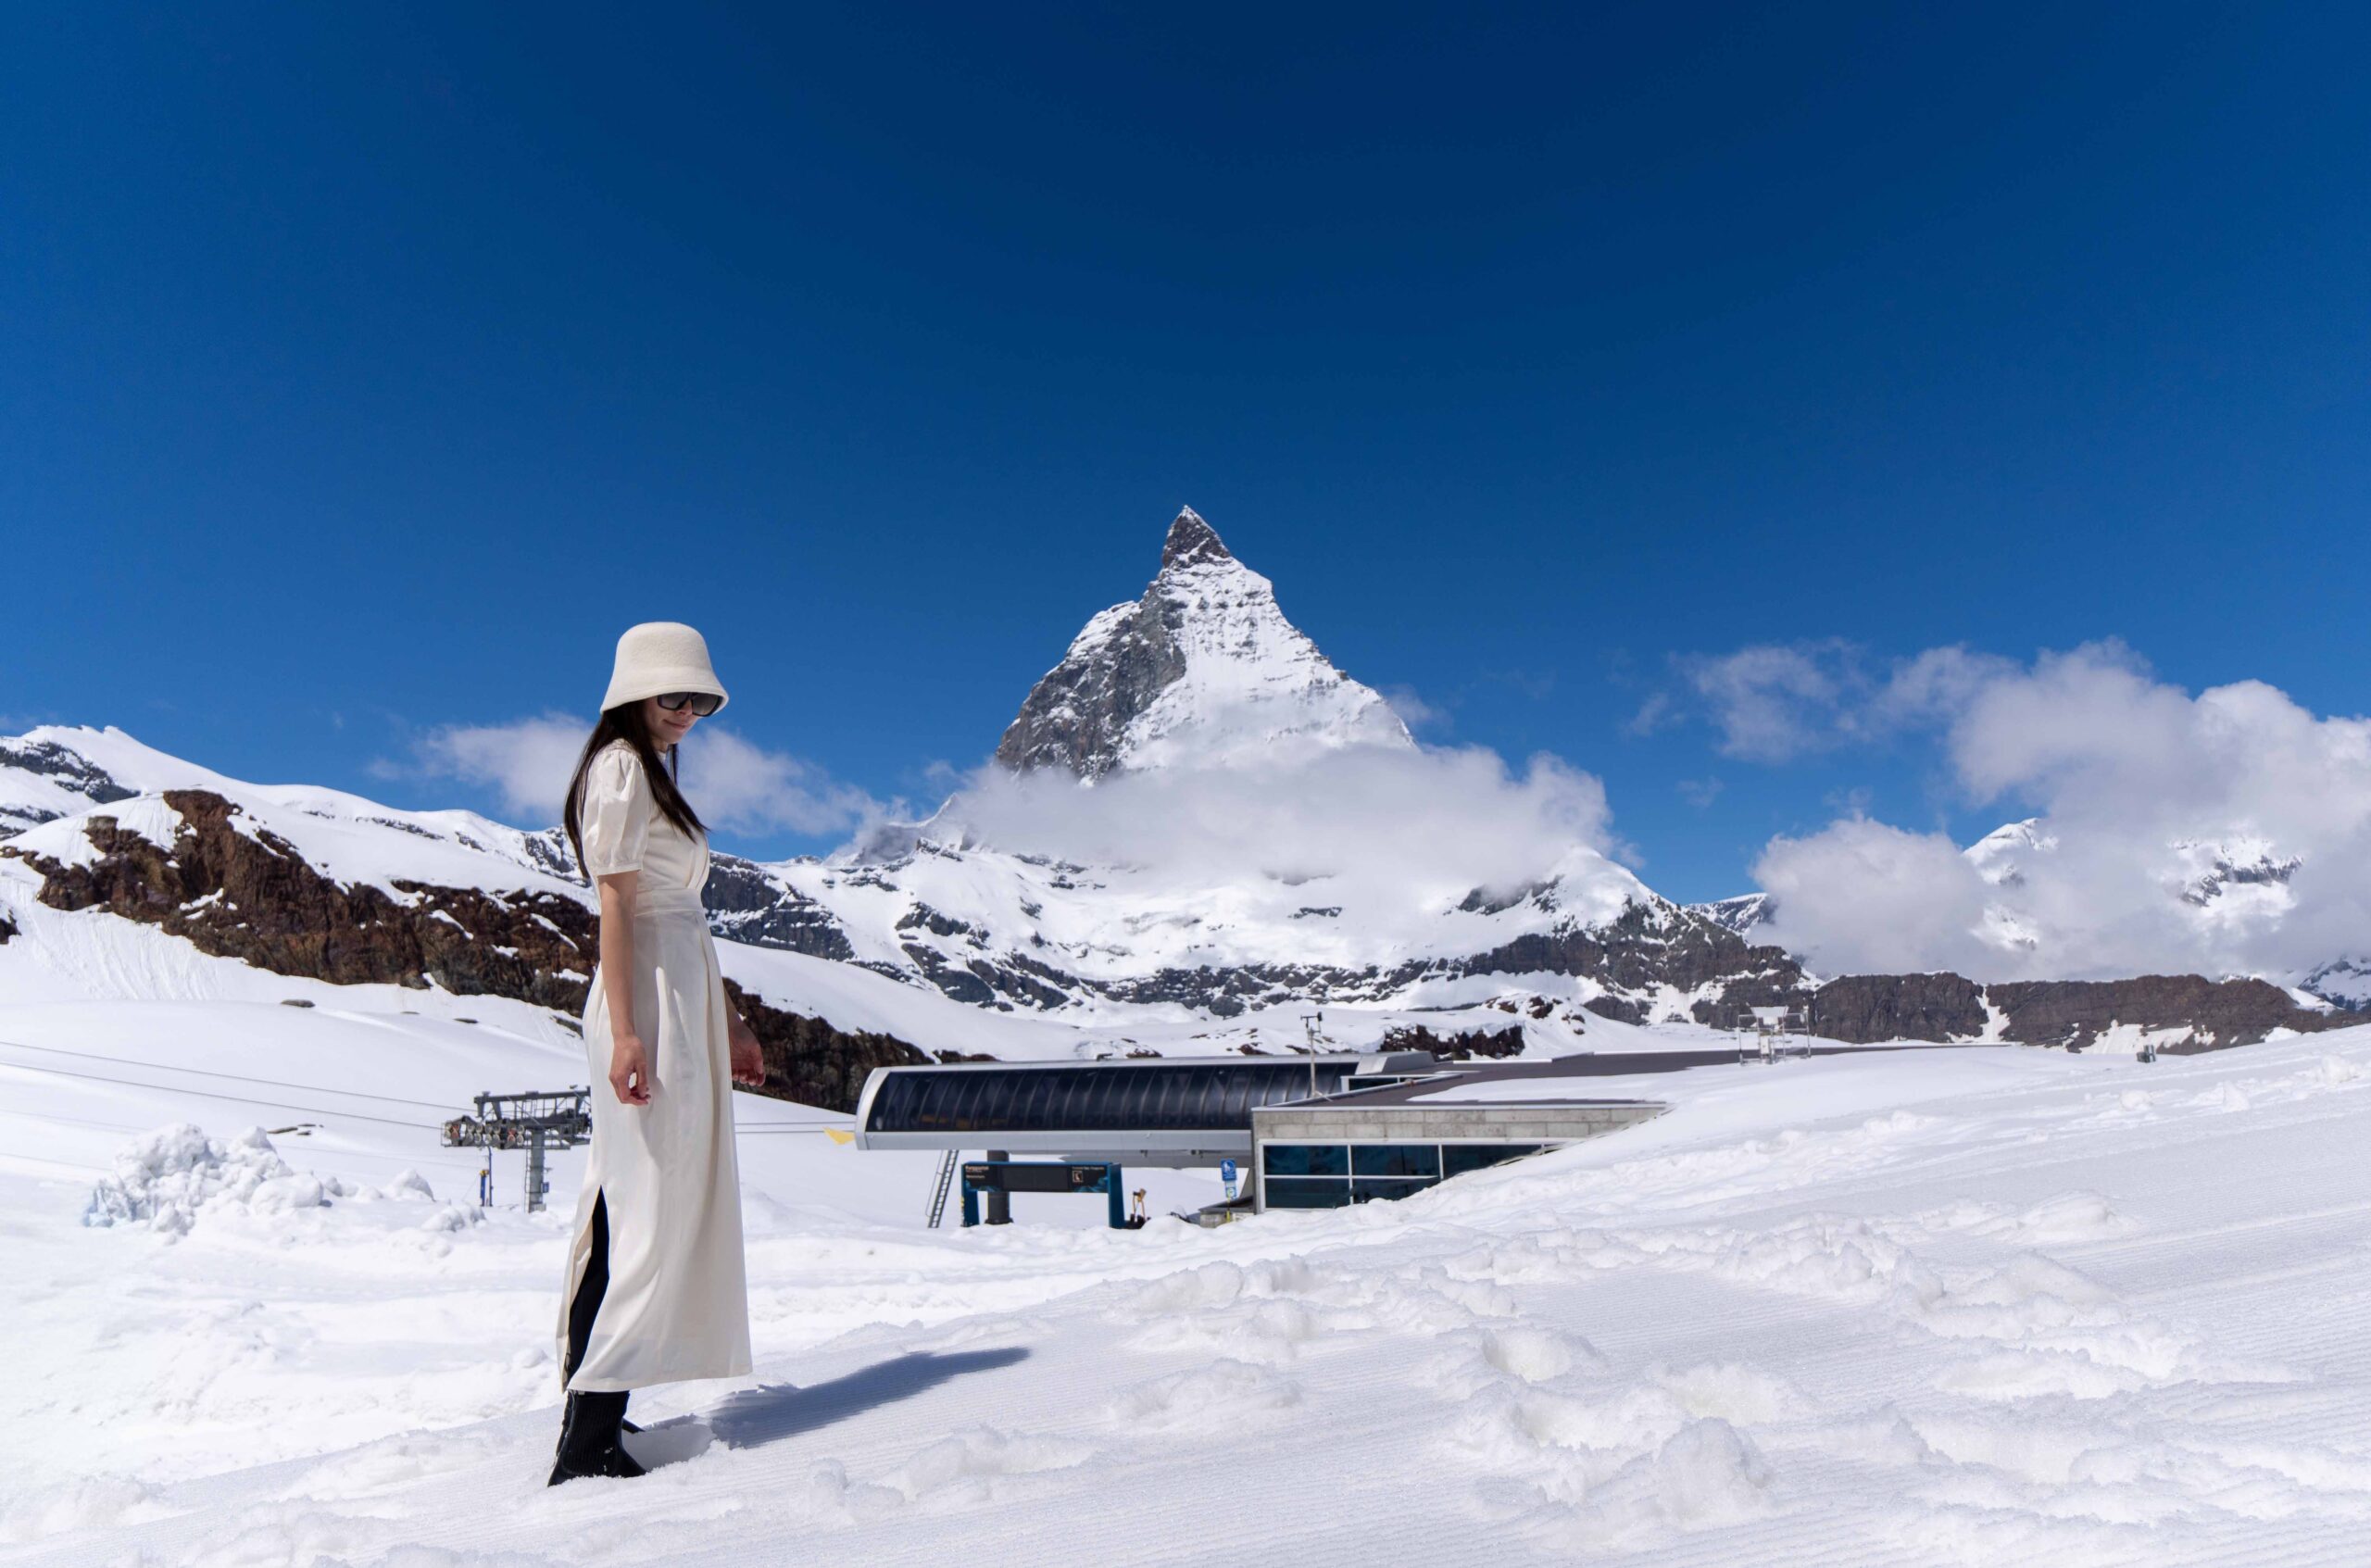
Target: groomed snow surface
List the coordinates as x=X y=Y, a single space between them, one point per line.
x=1974 y=1306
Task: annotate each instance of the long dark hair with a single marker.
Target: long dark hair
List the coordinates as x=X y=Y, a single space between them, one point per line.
x=625 y=722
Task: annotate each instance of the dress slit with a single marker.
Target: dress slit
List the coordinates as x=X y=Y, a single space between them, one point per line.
x=591 y=1287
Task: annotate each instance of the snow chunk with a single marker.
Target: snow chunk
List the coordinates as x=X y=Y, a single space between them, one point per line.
x=166 y=1178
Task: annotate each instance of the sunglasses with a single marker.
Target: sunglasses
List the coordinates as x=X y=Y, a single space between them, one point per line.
x=701 y=703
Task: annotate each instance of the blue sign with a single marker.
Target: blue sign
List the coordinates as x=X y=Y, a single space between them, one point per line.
x=1226 y=1170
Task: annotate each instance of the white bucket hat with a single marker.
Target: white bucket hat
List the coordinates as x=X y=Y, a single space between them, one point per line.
x=659 y=656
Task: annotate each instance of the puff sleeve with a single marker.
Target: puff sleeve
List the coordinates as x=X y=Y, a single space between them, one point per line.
x=615 y=816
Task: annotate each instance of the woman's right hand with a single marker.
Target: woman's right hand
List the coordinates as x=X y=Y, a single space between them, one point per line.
x=630 y=1070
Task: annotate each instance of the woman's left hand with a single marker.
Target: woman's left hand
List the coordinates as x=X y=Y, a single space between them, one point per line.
x=749 y=1062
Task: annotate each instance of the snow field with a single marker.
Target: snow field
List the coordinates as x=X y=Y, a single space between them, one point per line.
x=1962 y=1307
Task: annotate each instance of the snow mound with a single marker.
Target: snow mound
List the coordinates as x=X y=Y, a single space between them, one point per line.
x=167 y=1179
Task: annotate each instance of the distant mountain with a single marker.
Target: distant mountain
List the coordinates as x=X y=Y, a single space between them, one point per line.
x=1202 y=666
x=113 y=849
x=1739 y=914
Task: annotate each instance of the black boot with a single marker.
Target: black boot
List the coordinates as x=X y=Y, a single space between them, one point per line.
x=588 y=1440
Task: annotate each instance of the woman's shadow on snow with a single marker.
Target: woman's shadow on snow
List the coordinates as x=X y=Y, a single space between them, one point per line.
x=776 y=1411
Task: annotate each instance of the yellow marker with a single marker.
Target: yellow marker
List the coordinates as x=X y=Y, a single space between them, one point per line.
x=837 y=1135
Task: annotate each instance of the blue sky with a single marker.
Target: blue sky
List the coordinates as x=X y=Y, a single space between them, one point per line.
x=363 y=372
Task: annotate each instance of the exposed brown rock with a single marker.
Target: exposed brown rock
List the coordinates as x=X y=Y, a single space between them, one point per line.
x=808 y=1060
x=1458 y=1046
x=2223 y=1012
x=252 y=896
x=1864 y=1008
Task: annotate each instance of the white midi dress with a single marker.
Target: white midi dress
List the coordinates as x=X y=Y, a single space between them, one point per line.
x=677 y=1306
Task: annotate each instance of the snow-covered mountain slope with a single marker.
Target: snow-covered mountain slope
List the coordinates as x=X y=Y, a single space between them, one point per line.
x=57 y=771
x=1739 y=914
x=1191 y=708
x=1203 y=666
x=181 y=884
x=1876 y=1310
x=53 y=771
x=320 y=884
x=200 y=887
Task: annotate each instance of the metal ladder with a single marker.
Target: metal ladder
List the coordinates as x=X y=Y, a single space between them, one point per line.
x=946 y=1163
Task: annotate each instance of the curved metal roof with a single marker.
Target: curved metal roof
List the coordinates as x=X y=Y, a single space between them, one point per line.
x=1100 y=1097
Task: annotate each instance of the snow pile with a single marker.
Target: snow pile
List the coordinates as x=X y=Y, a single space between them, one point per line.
x=167 y=1179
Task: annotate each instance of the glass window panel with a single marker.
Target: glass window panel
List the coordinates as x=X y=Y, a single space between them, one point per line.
x=1145 y=1093
x=964 y=1107
x=1119 y=1100
x=1104 y=1104
x=1210 y=1108
x=1061 y=1098
x=1396 y=1159
x=1306 y=1159
x=920 y=1104
x=1305 y=1192
x=1368 y=1191
x=945 y=1098
x=1030 y=1092
x=991 y=1107
x=1209 y=1103
x=1125 y=1102
x=1459 y=1158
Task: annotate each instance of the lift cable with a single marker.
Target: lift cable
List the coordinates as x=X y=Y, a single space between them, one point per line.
x=235 y=1077
x=809 y=1127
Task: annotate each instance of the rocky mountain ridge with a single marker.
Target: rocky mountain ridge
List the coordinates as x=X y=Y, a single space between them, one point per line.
x=1202 y=669
x=1203 y=665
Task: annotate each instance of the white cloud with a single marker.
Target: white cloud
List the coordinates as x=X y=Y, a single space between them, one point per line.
x=1865 y=898
x=2140 y=787
x=1657 y=712
x=1398 y=825
x=1772 y=702
x=730 y=780
x=736 y=784
x=1414 y=710
x=526 y=762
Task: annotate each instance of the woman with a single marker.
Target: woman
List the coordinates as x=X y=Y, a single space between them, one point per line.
x=655 y=1290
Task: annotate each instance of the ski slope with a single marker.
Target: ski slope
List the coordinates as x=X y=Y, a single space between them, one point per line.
x=1967 y=1306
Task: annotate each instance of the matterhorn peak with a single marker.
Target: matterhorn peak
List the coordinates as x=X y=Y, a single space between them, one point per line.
x=1204 y=668
x=1191 y=540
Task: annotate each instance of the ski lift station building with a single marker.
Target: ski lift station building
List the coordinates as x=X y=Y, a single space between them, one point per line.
x=1313 y=1132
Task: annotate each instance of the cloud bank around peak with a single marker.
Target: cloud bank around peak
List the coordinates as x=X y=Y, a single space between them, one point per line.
x=1394 y=823
x=2226 y=832
x=733 y=782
